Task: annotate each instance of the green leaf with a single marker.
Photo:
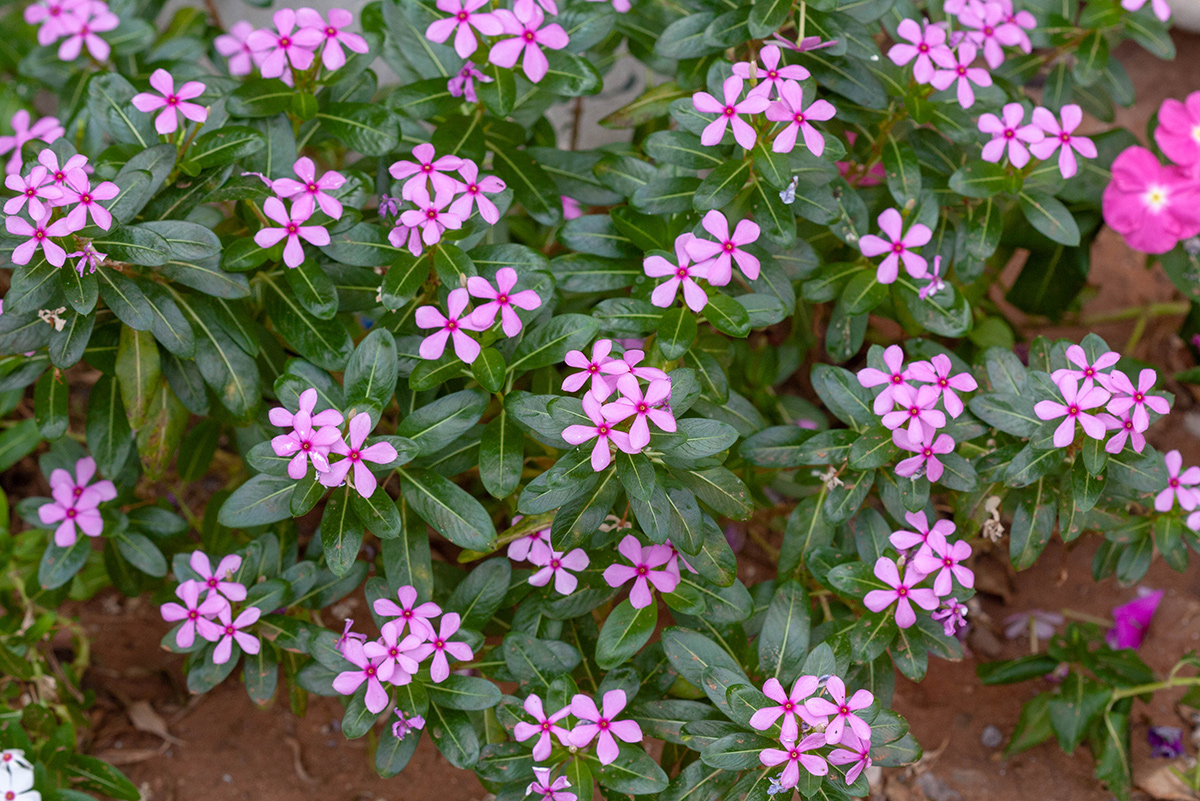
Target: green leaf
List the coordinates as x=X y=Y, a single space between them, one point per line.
x=314 y=289
x=225 y=145
x=100 y=777
x=1079 y=703
x=722 y=185
x=677 y=330
x=684 y=38
x=468 y=693
x=666 y=195
x=903 y=171
x=531 y=186
x=682 y=149
x=626 y=630
x=261 y=500
x=735 y=751
x=108 y=436
x=569 y=75
x=783 y=641
x=1050 y=217
x=368 y=128
x=260 y=97
x=140 y=552
x=371 y=371
x=59 y=565
x=766 y=17
x=110 y=104
x=549 y=342
x=982 y=179
x=1033 y=523
x=727 y=315
x=341 y=531
x=501 y=456
x=125 y=300
x=633 y=771
x=436 y=425
x=325 y=343
x=139 y=372
x=451 y=511
x=50 y=405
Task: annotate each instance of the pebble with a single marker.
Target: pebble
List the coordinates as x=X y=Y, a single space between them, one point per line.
x=992 y=737
x=227 y=779
x=935 y=789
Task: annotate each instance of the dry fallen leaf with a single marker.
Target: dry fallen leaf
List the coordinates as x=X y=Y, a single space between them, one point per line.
x=130 y=756
x=145 y=719
x=1161 y=782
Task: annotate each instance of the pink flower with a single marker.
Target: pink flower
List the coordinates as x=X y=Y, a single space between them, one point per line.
x=1161 y=8
x=403 y=236
x=794 y=754
x=229 y=630
x=192 y=611
x=803 y=45
x=927 y=449
x=1178 y=132
x=936 y=372
x=47 y=129
x=643 y=573
x=1087 y=373
x=72 y=173
x=727 y=113
x=1130 y=620
x=899 y=249
x=902 y=593
x=453 y=327
x=441 y=647
x=1126 y=429
x=85 y=199
x=426 y=166
x=463 y=83
x=601 y=431
x=543 y=728
x=1179 y=485
x=524 y=21
x=430 y=216
x=52 y=15
x=956 y=68
x=348 y=635
x=535 y=547
x=409 y=612
x=40 y=235
x=372 y=671
x=473 y=190
x=167 y=122
x=770 y=75
x=589 y=368
x=789 y=108
x=501 y=299
x=1077 y=402
x=717 y=257
x=630 y=363
x=924 y=44
x=936 y=284
x=311 y=190
x=892 y=379
x=1152 y=206
x=1126 y=397
x=550 y=790
x=1059 y=136
x=402 y=727
x=991 y=32
x=903 y=540
x=273 y=50
x=842 y=710
x=945 y=559
x=333 y=35
x=642 y=408
x=1008 y=133
x=81 y=28
x=789 y=705
x=397 y=652
x=291 y=227
x=854 y=751
x=462 y=18
x=89 y=258
x=682 y=273
x=279 y=416
x=953 y=616
x=556 y=567
x=916 y=409
x=1020 y=21
x=236 y=48
x=304 y=444
x=362 y=480
x=219 y=581
x=602 y=725
x=35 y=189
x=571 y=207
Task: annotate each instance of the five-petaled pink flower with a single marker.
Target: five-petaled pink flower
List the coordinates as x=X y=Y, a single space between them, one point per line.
x=916 y=410
x=397 y=651
x=718 y=257
x=796 y=755
x=642 y=408
x=192 y=611
x=945 y=558
x=525 y=21
x=543 y=728
x=86 y=198
x=602 y=725
x=644 y=571
x=40 y=234
x=927 y=448
x=312 y=191
x=441 y=647
x=170 y=101
x=226 y=630
x=903 y=540
x=236 y=48
x=924 y=42
x=51 y=16
x=1075 y=405
x=556 y=565
x=682 y=273
x=372 y=671
x=82 y=28
x=75 y=503
x=463 y=17
x=842 y=710
x=408 y=611
x=727 y=112
x=589 y=368
x=71 y=173
x=35 y=189
x=1126 y=397
x=1127 y=430
x=534 y=546
x=600 y=430
x=274 y=50
x=89 y=258
x=855 y=751
x=430 y=217
x=305 y=443
x=955 y=67
x=1088 y=373
x=473 y=190
x=953 y=616
x=1153 y=206
x=1178 y=132
x=770 y=75
x=789 y=705
x=1061 y=136
x=219 y=581
x=426 y=165
x=1009 y=134
x=790 y=108
x=899 y=249
x=47 y=129
x=463 y=83
x=333 y=35
x=936 y=373
x=551 y=790
x=902 y=593
x=292 y=228
x=501 y=300
x=1181 y=484
x=895 y=376
x=362 y=479
x=453 y=327
x=279 y=416
x=991 y=31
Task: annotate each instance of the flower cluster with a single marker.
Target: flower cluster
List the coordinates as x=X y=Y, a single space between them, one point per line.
x=649 y=566
x=499 y=300
x=520 y=34
x=396 y=657
x=78 y=23
x=16 y=777
x=292 y=46
x=46 y=129
x=593 y=723
x=211 y=615
x=926 y=553
x=316 y=437
x=551 y=564
x=710 y=260
x=76 y=502
x=306 y=195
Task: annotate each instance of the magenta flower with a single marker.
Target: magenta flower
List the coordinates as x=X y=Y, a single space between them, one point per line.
x=630 y=363
x=682 y=273
x=855 y=751
x=1074 y=408
x=72 y=173
x=935 y=284
x=1179 y=485
x=47 y=129
x=936 y=373
x=1009 y=134
x=1151 y=205
x=571 y=208
x=803 y=45
x=727 y=113
x=789 y=108
x=397 y=652
x=903 y=593
x=441 y=648
x=991 y=32
x=1161 y=8
x=501 y=300
x=589 y=368
x=899 y=249
x=842 y=710
x=642 y=408
x=230 y=630
x=956 y=69
x=463 y=83
x=430 y=216
x=953 y=617
x=903 y=540
x=718 y=257
x=474 y=188
x=789 y=705
x=312 y=190
x=1020 y=21
x=1087 y=373
x=51 y=15
x=405 y=725
x=525 y=21
x=274 y=50
x=219 y=581
x=170 y=101
x=348 y=635
x=292 y=228
x=924 y=43
x=535 y=547
x=551 y=790
x=462 y=18
x=454 y=327
x=82 y=28
x=362 y=480
x=602 y=725
x=945 y=559
x=1126 y=397
x=409 y=612
x=1178 y=123
x=304 y=444
x=643 y=573
x=89 y=258
x=894 y=377
x=916 y=410
x=235 y=46
x=770 y=75
x=601 y=431
x=40 y=234
x=1060 y=136
x=333 y=35
x=795 y=755
x=192 y=611
x=279 y=416
x=927 y=450
x=426 y=166
x=86 y=200
x=1127 y=429
x=36 y=189
x=372 y=671
x=543 y=728
x=1130 y=620
x=556 y=566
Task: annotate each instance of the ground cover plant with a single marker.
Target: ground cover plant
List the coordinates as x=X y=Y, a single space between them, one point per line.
x=523 y=397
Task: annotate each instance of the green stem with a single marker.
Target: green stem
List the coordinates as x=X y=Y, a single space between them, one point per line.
x=1170 y=683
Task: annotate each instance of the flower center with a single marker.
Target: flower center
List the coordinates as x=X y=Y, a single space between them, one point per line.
x=392 y=652
x=555 y=564
x=1089 y=373
x=602 y=724
x=1065 y=137
x=1156 y=198
x=772 y=74
x=1073 y=410
x=502 y=299
x=602 y=431
x=642 y=408
x=988 y=30
x=85 y=199
x=915 y=411
x=473 y=189
x=370 y=671
x=1139 y=397
x=60 y=176
x=313 y=188
x=793 y=754
x=291 y=228
x=941 y=382
x=77 y=491
x=354 y=456
x=681 y=272
x=39 y=234
x=1009 y=133
x=462 y=16
x=306 y=446
x=923 y=48
x=1128 y=425
x=1196 y=133
x=451 y=325
x=897 y=378
x=843 y=710
x=172 y=100
x=285 y=42
x=898 y=247
x=229 y=631
x=948 y=562
x=927 y=453
x=211 y=582
x=593 y=368
x=331 y=32
x=1174 y=482
x=407 y=613
x=193 y=614
x=962 y=71
x=439 y=644
x=727 y=247
x=72 y=514
x=31 y=192
x=641 y=570
x=431 y=214
x=528 y=36
x=729 y=111
x=902 y=591
x=799 y=117
x=788 y=706
x=545 y=725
